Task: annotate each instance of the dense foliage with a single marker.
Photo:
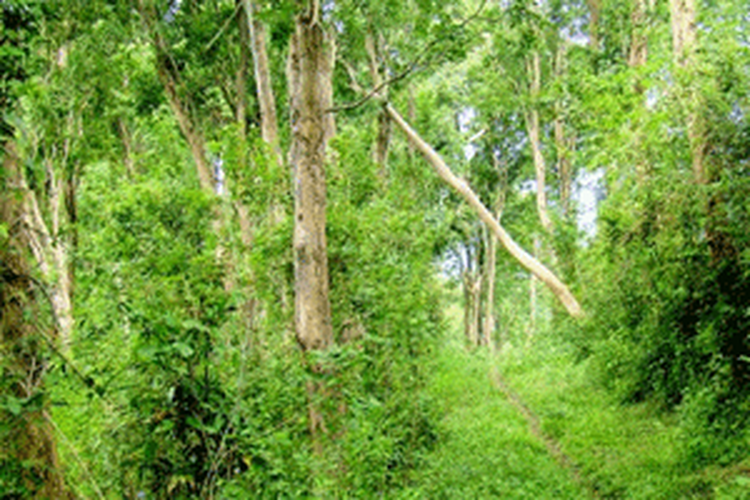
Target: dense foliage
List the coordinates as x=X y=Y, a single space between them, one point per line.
x=176 y=372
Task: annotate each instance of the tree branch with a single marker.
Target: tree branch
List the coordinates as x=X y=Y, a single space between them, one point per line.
x=557 y=287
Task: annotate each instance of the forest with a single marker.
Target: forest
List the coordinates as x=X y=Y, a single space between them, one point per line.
x=408 y=249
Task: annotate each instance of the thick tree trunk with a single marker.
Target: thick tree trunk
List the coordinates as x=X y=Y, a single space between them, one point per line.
x=683 y=14
x=310 y=72
x=557 y=287
x=29 y=443
x=311 y=61
x=533 y=129
x=50 y=248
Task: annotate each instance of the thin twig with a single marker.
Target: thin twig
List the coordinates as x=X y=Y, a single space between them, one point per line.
x=411 y=67
x=223 y=28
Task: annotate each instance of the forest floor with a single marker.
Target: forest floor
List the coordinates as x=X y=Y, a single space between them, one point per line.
x=531 y=423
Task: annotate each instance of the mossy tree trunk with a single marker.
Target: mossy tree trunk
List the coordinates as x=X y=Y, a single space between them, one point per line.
x=28 y=456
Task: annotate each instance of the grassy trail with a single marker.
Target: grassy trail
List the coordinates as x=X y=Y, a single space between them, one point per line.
x=554 y=448
x=490 y=450
x=531 y=423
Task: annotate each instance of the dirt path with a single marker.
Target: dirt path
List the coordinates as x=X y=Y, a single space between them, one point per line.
x=550 y=443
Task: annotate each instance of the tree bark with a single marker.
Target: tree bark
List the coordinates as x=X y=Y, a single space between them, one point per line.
x=30 y=441
x=50 y=247
x=490 y=322
x=683 y=14
x=533 y=129
x=490 y=269
x=563 y=143
x=310 y=80
x=240 y=112
x=383 y=140
x=557 y=287
x=472 y=284
x=269 y=126
x=638 y=53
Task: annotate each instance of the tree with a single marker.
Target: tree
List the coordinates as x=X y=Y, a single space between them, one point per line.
x=29 y=462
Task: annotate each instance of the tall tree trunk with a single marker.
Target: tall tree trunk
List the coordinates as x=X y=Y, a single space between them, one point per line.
x=563 y=143
x=269 y=126
x=533 y=129
x=683 y=14
x=489 y=324
x=50 y=247
x=311 y=69
x=472 y=284
x=181 y=109
x=557 y=287
x=637 y=58
x=383 y=140
x=240 y=113
x=490 y=269
x=311 y=61
x=29 y=443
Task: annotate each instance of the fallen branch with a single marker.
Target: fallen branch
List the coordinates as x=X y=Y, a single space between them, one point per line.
x=524 y=258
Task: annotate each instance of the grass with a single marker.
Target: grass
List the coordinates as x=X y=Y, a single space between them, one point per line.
x=634 y=451
x=488 y=450
x=628 y=451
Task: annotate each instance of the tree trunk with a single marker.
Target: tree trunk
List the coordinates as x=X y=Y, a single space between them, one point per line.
x=563 y=144
x=557 y=287
x=533 y=129
x=383 y=140
x=50 y=248
x=269 y=126
x=683 y=14
x=240 y=112
x=638 y=54
x=594 y=13
x=311 y=61
x=490 y=269
x=29 y=444
x=637 y=57
x=472 y=285
x=311 y=67
x=490 y=323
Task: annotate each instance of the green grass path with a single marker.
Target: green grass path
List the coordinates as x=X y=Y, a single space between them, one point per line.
x=531 y=423
x=489 y=450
